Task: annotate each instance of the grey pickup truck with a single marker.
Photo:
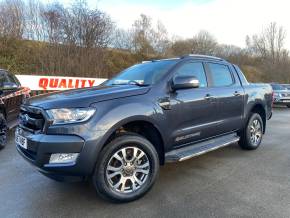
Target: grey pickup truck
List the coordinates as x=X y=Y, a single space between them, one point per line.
x=119 y=133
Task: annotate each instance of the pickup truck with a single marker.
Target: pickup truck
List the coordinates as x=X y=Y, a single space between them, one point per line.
x=119 y=133
x=11 y=97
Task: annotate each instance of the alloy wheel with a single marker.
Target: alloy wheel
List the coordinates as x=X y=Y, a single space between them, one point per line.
x=128 y=169
x=256 y=132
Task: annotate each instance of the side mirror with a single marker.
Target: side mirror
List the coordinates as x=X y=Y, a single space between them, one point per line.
x=185 y=82
x=9 y=85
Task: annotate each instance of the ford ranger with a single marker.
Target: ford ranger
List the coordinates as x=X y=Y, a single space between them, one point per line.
x=119 y=133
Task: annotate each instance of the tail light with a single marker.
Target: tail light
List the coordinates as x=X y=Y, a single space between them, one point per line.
x=272 y=98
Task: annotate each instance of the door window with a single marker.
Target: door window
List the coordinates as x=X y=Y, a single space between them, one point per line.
x=221 y=75
x=2 y=80
x=193 y=69
x=13 y=79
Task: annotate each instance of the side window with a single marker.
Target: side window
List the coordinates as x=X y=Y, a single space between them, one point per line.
x=193 y=69
x=221 y=75
x=13 y=79
x=2 y=79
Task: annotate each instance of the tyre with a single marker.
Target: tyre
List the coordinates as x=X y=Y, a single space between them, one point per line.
x=127 y=168
x=288 y=105
x=3 y=131
x=251 y=136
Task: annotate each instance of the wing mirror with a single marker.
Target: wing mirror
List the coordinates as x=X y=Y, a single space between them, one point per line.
x=184 y=82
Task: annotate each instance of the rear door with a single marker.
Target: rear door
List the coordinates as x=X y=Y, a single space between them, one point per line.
x=229 y=96
x=193 y=112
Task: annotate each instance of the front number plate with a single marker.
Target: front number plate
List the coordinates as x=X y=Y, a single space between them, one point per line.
x=21 y=141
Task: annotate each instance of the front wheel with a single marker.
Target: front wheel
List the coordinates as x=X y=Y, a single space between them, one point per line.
x=127 y=168
x=3 y=131
x=251 y=136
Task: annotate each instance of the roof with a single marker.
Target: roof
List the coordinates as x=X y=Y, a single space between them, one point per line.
x=202 y=57
x=193 y=56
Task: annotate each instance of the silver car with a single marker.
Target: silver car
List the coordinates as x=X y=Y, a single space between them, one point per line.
x=281 y=95
x=287 y=86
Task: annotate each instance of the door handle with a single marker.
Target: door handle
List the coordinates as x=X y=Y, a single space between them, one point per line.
x=208 y=97
x=236 y=93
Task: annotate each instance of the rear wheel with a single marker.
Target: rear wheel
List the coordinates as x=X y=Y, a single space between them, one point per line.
x=251 y=136
x=288 y=105
x=127 y=168
x=3 y=131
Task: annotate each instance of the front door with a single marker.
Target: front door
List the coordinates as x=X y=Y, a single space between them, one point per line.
x=193 y=111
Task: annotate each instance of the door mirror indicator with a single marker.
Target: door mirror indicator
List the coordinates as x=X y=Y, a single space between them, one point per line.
x=184 y=82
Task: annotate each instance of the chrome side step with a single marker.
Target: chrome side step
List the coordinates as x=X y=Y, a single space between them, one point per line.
x=194 y=150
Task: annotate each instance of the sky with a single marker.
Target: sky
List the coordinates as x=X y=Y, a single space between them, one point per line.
x=228 y=20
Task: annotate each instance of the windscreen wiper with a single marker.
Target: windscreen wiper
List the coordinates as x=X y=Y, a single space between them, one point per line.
x=133 y=82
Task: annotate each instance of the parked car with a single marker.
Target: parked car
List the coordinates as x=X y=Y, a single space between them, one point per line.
x=11 y=97
x=281 y=95
x=151 y=113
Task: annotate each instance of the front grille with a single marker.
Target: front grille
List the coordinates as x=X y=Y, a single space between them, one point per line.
x=31 y=119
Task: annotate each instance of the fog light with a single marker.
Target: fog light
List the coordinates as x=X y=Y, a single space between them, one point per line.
x=63 y=158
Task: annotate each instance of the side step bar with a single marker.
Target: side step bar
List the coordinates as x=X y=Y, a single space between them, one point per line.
x=194 y=150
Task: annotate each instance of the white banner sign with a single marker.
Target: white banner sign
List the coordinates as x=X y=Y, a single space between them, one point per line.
x=57 y=82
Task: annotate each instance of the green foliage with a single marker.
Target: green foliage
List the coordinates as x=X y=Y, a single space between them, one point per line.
x=40 y=58
x=77 y=40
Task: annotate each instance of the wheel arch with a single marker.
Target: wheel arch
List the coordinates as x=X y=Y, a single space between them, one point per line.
x=142 y=126
x=259 y=109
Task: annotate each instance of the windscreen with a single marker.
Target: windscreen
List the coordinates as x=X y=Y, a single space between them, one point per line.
x=143 y=74
x=278 y=87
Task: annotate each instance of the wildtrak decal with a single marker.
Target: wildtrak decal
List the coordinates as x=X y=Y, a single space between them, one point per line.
x=180 y=138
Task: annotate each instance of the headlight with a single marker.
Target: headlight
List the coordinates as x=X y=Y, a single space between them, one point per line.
x=278 y=95
x=70 y=115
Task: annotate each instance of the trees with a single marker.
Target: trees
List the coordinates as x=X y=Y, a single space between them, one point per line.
x=12 y=22
x=181 y=46
x=143 y=38
x=268 y=48
x=75 y=40
x=204 y=43
x=269 y=44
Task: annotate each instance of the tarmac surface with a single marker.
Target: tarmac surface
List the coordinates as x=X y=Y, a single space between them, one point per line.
x=228 y=182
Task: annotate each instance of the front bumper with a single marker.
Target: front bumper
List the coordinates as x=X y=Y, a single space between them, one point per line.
x=41 y=146
x=281 y=101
